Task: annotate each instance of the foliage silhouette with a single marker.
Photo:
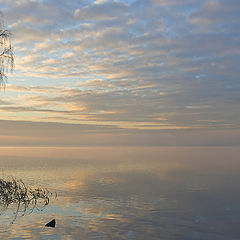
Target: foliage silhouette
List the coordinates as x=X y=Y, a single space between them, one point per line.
x=13 y=191
x=6 y=53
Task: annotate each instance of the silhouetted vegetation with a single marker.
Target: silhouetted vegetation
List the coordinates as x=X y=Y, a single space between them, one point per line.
x=13 y=191
x=6 y=53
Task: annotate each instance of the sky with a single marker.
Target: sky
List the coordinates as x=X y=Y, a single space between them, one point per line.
x=123 y=72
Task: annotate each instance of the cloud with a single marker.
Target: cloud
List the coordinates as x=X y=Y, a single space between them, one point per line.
x=101 y=10
x=126 y=63
x=28 y=133
x=217 y=16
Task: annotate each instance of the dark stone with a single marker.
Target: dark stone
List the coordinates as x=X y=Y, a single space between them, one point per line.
x=51 y=223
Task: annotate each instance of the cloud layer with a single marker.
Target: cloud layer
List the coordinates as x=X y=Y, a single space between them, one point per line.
x=144 y=64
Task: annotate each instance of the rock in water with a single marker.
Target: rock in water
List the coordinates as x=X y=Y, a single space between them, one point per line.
x=51 y=223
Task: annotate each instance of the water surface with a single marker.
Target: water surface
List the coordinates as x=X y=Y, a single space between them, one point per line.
x=127 y=192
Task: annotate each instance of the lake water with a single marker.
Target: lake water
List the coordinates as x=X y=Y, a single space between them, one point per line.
x=127 y=192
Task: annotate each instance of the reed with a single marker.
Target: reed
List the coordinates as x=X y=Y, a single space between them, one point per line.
x=15 y=191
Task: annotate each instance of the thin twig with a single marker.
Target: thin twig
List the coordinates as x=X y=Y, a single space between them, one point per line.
x=15 y=191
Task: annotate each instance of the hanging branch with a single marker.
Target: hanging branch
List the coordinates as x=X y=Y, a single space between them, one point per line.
x=6 y=54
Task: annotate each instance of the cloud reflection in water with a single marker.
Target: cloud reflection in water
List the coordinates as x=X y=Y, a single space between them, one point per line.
x=133 y=193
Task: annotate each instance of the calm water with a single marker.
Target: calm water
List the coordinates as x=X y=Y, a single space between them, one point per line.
x=127 y=193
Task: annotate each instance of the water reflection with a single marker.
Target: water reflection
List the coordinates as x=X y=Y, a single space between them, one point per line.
x=129 y=193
